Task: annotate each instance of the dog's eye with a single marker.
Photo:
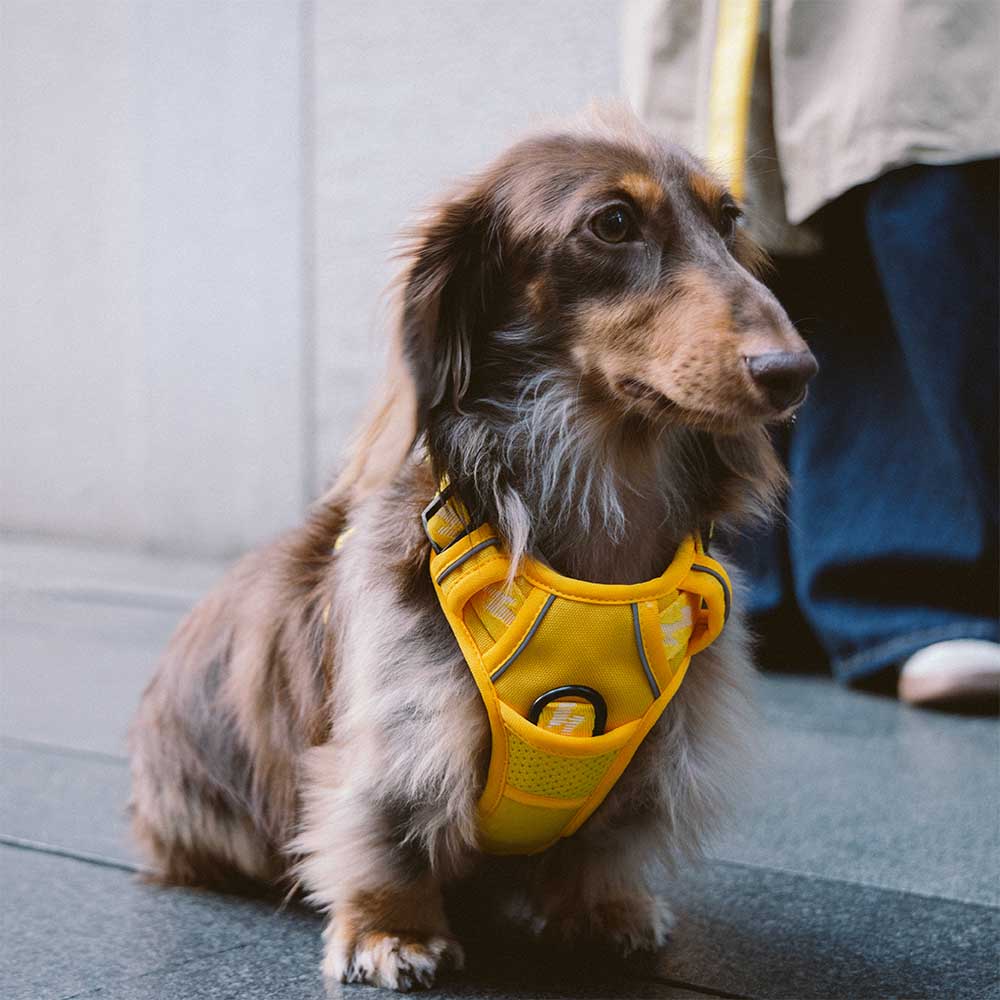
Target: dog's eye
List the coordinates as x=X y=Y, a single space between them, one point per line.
x=613 y=224
x=729 y=214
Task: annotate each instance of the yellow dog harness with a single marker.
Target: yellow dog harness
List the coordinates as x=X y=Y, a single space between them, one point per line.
x=573 y=674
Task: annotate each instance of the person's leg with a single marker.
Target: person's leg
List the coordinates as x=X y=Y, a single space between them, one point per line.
x=892 y=530
x=933 y=233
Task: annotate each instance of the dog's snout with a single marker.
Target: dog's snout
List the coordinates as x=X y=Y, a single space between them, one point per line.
x=782 y=375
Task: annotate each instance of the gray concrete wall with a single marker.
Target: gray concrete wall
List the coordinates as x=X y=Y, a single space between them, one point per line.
x=151 y=265
x=198 y=203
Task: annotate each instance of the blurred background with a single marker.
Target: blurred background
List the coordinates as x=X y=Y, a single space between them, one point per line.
x=198 y=204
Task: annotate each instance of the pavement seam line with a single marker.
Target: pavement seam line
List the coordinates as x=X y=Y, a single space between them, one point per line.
x=56 y=749
x=17 y=743
x=859 y=883
x=113 y=597
x=707 y=991
x=101 y=860
x=42 y=847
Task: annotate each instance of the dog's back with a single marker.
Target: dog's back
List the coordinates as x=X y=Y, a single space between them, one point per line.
x=237 y=698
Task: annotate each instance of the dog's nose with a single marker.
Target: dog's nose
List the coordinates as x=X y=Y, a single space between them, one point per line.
x=783 y=375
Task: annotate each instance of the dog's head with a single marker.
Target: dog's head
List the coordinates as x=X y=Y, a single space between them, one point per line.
x=612 y=255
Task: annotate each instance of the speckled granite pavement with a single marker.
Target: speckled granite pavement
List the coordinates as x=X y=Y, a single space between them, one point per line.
x=864 y=860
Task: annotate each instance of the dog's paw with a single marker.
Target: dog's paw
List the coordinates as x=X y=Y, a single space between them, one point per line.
x=623 y=926
x=401 y=962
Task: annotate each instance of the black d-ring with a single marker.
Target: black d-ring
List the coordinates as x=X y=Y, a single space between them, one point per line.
x=572 y=690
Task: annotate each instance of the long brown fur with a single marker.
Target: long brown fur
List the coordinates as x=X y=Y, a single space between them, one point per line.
x=313 y=720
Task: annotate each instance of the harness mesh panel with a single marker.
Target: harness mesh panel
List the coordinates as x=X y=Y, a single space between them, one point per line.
x=541 y=773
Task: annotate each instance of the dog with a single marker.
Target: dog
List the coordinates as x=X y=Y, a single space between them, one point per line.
x=585 y=349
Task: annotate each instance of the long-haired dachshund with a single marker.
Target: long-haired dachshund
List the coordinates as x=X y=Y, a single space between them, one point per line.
x=584 y=350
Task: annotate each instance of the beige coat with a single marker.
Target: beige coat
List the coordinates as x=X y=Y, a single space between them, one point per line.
x=843 y=90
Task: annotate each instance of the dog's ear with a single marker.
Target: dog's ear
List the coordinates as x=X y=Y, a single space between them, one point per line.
x=449 y=291
x=446 y=295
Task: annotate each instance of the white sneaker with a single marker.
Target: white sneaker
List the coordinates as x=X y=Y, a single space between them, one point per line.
x=959 y=670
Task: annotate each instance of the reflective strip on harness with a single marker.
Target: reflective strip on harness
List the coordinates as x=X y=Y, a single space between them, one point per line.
x=594 y=664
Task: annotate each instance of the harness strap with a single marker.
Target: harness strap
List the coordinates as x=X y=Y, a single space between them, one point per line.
x=447 y=523
x=572 y=674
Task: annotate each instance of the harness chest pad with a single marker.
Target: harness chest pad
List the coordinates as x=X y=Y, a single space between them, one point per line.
x=572 y=674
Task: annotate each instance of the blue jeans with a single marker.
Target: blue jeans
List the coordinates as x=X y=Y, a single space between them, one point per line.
x=890 y=539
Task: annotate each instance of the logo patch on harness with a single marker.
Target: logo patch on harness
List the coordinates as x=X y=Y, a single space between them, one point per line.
x=569 y=718
x=501 y=603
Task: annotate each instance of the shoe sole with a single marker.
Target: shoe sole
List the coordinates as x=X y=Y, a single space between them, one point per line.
x=972 y=689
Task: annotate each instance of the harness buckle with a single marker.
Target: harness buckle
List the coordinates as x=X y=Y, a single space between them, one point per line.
x=441 y=499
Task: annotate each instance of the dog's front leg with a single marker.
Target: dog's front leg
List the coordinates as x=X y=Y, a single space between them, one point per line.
x=395 y=936
x=389 y=806
x=387 y=925
x=592 y=892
